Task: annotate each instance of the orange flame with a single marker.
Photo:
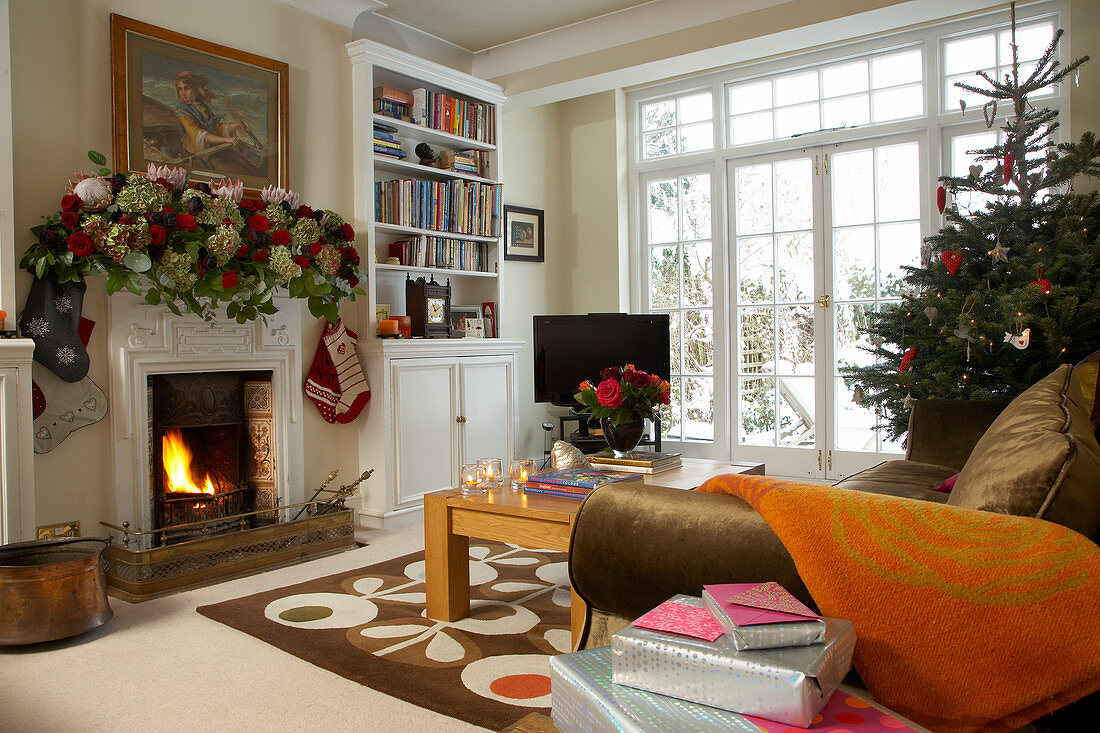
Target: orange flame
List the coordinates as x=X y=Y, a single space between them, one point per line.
x=176 y=457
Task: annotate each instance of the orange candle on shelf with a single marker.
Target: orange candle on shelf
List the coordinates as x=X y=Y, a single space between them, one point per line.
x=387 y=328
x=404 y=324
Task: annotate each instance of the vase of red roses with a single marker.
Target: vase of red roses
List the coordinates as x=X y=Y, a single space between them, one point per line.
x=623 y=400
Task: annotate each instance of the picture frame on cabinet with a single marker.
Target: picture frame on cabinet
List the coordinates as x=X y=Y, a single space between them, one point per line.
x=489 y=315
x=183 y=102
x=523 y=233
x=459 y=313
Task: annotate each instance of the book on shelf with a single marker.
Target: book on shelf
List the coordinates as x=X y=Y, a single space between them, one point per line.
x=633 y=458
x=459 y=206
x=382 y=127
x=392 y=152
x=533 y=489
x=396 y=95
x=443 y=252
x=386 y=143
x=442 y=112
x=390 y=108
x=582 y=478
x=476 y=162
x=380 y=135
x=660 y=468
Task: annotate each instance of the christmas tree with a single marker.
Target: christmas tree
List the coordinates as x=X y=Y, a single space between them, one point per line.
x=1006 y=293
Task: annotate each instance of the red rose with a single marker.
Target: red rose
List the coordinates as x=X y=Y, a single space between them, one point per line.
x=349 y=233
x=609 y=394
x=280 y=237
x=628 y=375
x=80 y=244
x=260 y=255
x=611 y=373
x=353 y=281
x=259 y=222
x=229 y=279
x=186 y=222
x=71 y=202
x=70 y=220
x=640 y=379
x=301 y=261
x=242 y=251
x=253 y=204
x=316 y=247
x=157 y=233
x=350 y=254
x=166 y=209
x=664 y=398
x=304 y=212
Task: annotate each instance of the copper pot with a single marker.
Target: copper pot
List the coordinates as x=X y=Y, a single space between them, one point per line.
x=52 y=589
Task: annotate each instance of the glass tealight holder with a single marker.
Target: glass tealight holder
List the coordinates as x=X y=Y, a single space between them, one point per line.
x=522 y=468
x=471 y=480
x=493 y=471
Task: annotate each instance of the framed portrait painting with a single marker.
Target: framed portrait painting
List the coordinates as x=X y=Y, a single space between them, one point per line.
x=184 y=102
x=523 y=234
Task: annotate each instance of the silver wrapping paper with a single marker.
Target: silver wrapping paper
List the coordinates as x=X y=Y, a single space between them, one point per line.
x=766 y=636
x=585 y=700
x=788 y=685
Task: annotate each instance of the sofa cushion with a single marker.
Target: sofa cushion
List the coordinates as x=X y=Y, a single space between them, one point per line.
x=1087 y=373
x=1038 y=459
x=911 y=479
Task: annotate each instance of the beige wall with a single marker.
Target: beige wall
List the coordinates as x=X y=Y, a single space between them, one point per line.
x=62 y=107
x=1084 y=40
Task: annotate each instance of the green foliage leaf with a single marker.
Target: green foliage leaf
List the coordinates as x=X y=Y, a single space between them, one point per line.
x=153 y=297
x=137 y=261
x=98 y=158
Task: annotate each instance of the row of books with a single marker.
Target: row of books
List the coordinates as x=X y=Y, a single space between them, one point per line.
x=438 y=111
x=386 y=144
x=456 y=254
x=392 y=103
x=571 y=482
x=466 y=207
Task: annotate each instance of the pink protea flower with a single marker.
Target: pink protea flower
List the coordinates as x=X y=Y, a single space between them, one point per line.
x=176 y=176
x=273 y=195
x=227 y=189
x=77 y=178
x=94 y=191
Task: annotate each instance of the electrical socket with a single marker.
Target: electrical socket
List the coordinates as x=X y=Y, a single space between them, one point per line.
x=55 y=531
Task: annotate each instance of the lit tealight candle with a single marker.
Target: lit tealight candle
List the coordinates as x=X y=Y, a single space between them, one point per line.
x=521 y=469
x=387 y=327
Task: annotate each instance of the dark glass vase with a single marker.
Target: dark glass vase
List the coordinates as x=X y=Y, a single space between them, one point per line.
x=624 y=437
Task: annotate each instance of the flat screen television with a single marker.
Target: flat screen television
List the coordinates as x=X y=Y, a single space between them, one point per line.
x=570 y=349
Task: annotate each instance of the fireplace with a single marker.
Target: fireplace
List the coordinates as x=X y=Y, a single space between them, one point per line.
x=210 y=452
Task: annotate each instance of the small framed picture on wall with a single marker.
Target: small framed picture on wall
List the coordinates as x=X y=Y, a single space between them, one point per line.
x=523 y=233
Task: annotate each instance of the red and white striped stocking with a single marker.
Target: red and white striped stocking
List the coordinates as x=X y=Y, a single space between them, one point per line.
x=336 y=383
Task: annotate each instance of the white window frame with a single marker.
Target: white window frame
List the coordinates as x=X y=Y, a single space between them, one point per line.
x=938 y=124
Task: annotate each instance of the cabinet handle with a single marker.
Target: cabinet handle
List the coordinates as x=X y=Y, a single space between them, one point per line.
x=460 y=418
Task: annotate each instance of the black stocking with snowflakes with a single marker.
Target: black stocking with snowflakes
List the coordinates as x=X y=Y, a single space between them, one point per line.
x=52 y=318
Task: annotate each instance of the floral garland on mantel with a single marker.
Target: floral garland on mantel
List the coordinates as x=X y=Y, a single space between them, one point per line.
x=196 y=248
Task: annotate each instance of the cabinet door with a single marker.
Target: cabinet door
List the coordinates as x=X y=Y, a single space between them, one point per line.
x=488 y=406
x=425 y=407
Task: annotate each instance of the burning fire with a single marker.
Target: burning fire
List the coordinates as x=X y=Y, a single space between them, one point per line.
x=176 y=457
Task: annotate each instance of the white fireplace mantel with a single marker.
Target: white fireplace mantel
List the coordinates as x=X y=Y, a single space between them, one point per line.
x=17 y=512
x=145 y=340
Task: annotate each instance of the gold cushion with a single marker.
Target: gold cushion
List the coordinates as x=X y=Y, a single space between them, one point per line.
x=1039 y=458
x=1087 y=374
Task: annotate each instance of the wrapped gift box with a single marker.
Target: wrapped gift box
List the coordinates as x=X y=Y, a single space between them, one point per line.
x=763 y=635
x=789 y=685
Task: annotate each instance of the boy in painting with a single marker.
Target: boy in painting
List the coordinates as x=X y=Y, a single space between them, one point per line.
x=202 y=130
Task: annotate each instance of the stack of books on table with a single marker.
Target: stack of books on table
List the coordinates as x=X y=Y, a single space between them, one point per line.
x=636 y=461
x=572 y=482
x=385 y=143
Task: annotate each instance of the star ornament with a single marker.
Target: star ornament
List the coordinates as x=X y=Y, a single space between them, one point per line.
x=999 y=253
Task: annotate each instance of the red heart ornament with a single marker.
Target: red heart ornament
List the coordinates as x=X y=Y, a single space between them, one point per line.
x=1010 y=160
x=941 y=198
x=907 y=359
x=1043 y=284
x=952 y=261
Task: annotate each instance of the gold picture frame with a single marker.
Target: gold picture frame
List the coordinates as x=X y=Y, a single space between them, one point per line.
x=185 y=102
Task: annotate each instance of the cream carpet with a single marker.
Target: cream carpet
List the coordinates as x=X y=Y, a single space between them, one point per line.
x=161 y=666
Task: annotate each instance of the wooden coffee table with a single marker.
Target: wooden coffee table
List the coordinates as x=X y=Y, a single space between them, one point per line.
x=534 y=521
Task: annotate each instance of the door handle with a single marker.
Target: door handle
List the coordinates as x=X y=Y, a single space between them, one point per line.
x=823 y=301
x=460 y=418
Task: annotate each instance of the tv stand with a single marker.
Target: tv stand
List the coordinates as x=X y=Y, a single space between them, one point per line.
x=588 y=443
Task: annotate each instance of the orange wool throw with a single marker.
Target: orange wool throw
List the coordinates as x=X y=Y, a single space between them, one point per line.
x=965 y=620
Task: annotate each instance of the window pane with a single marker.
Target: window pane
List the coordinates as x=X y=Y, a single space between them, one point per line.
x=851 y=335
x=837 y=81
x=664 y=283
x=796 y=411
x=795 y=88
x=757 y=340
x=969 y=54
x=658 y=114
x=845 y=112
x=674 y=343
x=697 y=137
x=897 y=178
x=662 y=211
x=753 y=194
x=698 y=400
x=853 y=188
x=794 y=193
x=671 y=424
x=1030 y=43
x=698 y=342
x=954 y=93
x=695 y=108
x=695 y=217
x=698 y=288
x=854 y=262
x=751 y=128
x=754 y=269
x=894 y=104
x=854 y=424
x=795 y=120
x=796 y=267
x=750 y=97
x=898 y=244
x=659 y=144
x=756 y=409
x=796 y=339
x=897 y=68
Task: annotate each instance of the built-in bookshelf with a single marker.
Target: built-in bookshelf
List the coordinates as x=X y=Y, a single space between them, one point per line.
x=425 y=220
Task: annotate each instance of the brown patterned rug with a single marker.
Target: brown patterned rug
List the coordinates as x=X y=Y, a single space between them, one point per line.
x=368 y=625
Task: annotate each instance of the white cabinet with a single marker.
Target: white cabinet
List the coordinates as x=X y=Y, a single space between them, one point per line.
x=437 y=404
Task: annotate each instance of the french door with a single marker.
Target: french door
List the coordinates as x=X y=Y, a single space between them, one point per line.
x=818 y=238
